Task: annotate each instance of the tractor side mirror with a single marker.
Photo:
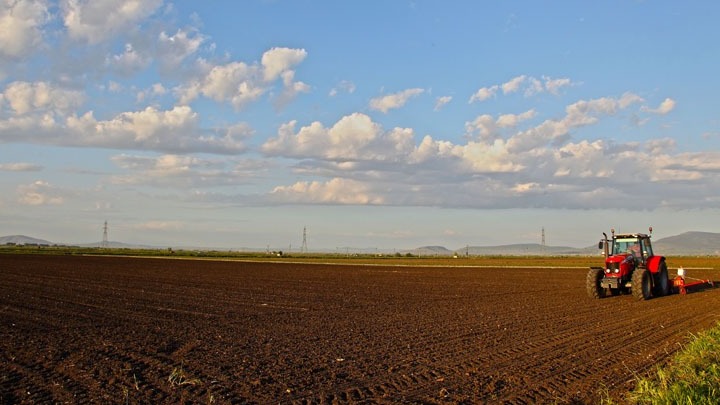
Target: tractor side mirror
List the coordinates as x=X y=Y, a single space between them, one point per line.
x=601 y=244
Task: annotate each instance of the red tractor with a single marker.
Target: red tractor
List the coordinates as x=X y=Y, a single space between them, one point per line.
x=630 y=265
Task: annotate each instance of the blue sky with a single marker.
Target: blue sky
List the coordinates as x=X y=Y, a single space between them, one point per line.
x=380 y=124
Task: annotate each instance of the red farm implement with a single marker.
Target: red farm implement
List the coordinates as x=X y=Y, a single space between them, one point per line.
x=681 y=285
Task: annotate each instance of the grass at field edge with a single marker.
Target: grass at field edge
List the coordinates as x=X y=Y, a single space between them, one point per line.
x=691 y=377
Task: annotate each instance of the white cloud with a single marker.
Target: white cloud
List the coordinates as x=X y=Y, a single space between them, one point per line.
x=20 y=167
x=440 y=102
x=128 y=62
x=21 y=25
x=484 y=93
x=151 y=125
x=24 y=98
x=553 y=86
x=486 y=127
x=530 y=86
x=513 y=84
x=334 y=191
x=97 y=21
x=277 y=61
x=585 y=112
x=506 y=167
x=353 y=137
x=39 y=193
x=290 y=90
x=241 y=84
x=159 y=226
x=343 y=86
x=155 y=90
x=173 y=130
x=172 y=50
x=185 y=171
x=235 y=82
x=664 y=108
x=114 y=87
x=394 y=101
x=512 y=120
x=483 y=127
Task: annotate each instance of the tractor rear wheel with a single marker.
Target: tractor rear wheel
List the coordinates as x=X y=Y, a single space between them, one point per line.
x=592 y=283
x=662 y=283
x=641 y=284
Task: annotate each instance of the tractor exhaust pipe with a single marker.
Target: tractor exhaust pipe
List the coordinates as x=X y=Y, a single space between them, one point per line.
x=606 y=248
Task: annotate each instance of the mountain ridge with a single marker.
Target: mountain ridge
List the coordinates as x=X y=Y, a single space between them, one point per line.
x=687 y=243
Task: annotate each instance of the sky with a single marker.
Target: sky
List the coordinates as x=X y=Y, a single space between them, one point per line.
x=368 y=124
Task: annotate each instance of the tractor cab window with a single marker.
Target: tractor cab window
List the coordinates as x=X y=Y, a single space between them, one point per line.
x=646 y=247
x=627 y=245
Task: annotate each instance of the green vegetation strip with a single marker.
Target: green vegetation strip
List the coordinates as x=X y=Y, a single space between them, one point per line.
x=405 y=259
x=693 y=376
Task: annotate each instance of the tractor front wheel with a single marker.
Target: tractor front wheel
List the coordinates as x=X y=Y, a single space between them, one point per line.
x=641 y=284
x=592 y=283
x=662 y=283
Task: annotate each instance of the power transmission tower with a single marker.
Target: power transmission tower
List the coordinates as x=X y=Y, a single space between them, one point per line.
x=303 y=248
x=105 y=236
x=543 y=237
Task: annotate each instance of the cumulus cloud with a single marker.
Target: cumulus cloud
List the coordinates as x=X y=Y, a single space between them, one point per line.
x=172 y=50
x=291 y=89
x=344 y=86
x=395 y=100
x=239 y=83
x=487 y=128
x=175 y=130
x=513 y=84
x=527 y=84
x=97 y=21
x=501 y=165
x=277 y=61
x=25 y=97
x=128 y=62
x=183 y=171
x=553 y=86
x=484 y=93
x=440 y=102
x=21 y=24
x=20 y=167
x=159 y=226
x=664 y=108
x=39 y=193
x=155 y=90
x=353 y=137
x=334 y=191
x=518 y=159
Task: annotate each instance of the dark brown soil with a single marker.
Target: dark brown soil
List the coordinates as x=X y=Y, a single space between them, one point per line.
x=126 y=330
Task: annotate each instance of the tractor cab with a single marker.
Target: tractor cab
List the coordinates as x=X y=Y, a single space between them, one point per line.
x=635 y=247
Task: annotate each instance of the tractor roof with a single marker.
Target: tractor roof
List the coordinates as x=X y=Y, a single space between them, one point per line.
x=631 y=235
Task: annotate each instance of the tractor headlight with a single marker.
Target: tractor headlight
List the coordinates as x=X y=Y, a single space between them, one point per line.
x=617 y=270
x=607 y=270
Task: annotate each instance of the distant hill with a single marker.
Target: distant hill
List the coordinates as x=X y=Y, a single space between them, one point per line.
x=27 y=240
x=685 y=244
x=431 y=251
x=530 y=249
x=22 y=240
x=115 y=245
x=688 y=244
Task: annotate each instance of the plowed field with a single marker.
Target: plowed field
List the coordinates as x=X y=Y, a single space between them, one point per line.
x=126 y=330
